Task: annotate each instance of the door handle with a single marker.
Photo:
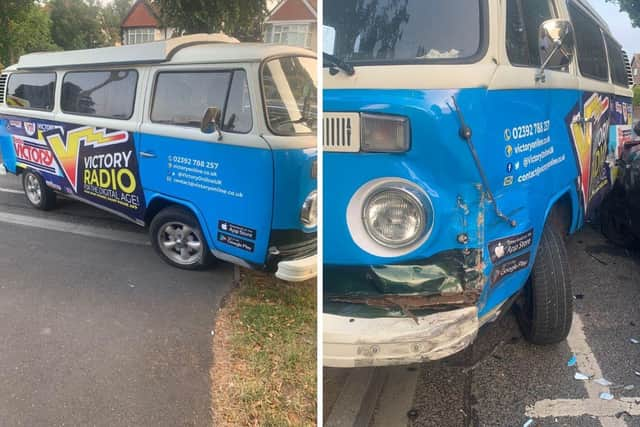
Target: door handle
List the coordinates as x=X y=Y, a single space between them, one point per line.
x=147 y=155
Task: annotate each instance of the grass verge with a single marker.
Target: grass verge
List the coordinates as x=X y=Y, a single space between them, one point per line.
x=264 y=349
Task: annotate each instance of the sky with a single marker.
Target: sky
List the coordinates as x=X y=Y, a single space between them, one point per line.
x=620 y=25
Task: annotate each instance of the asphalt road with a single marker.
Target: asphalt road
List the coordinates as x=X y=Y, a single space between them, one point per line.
x=514 y=381
x=97 y=331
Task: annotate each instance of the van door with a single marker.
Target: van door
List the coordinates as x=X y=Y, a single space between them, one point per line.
x=225 y=177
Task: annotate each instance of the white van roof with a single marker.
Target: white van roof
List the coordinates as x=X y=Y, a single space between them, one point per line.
x=197 y=48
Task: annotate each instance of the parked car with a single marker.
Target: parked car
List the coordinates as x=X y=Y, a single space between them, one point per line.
x=620 y=211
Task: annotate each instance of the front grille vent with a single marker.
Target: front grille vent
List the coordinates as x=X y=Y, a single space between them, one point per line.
x=3 y=85
x=341 y=132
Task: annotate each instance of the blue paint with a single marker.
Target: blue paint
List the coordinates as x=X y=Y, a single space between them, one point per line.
x=257 y=189
x=503 y=123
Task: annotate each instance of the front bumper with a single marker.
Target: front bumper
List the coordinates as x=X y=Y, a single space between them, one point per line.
x=298 y=270
x=352 y=342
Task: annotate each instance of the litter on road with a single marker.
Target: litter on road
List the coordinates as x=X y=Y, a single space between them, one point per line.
x=629 y=387
x=634 y=341
x=606 y=396
x=529 y=423
x=572 y=361
x=580 y=376
x=603 y=382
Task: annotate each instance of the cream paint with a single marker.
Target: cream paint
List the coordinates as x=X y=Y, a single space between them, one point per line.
x=493 y=72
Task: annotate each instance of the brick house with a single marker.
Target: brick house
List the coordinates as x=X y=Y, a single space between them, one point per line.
x=142 y=24
x=635 y=68
x=293 y=23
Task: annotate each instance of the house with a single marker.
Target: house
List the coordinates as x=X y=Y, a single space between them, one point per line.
x=143 y=24
x=635 y=69
x=293 y=23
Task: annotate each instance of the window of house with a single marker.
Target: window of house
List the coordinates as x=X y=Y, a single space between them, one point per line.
x=34 y=91
x=290 y=34
x=109 y=94
x=237 y=114
x=181 y=98
x=140 y=35
x=592 y=57
x=617 y=62
x=523 y=25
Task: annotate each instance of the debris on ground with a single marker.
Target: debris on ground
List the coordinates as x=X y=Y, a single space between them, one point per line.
x=603 y=382
x=634 y=341
x=578 y=296
x=606 y=396
x=637 y=373
x=623 y=414
x=529 y=423
x=572 y=361
x=629 y=387
x=412 y=414
x=580 y=376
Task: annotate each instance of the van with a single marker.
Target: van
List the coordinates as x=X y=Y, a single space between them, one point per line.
x=463 y=140
x=208 y=142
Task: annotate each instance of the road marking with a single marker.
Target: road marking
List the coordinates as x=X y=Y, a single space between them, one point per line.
x=81 y=230
x=605 y=411
x=11 y=190
x=397 y=396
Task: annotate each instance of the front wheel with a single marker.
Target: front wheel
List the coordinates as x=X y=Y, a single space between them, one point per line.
x=545 y=308
x=178 y=239
x=38 y=194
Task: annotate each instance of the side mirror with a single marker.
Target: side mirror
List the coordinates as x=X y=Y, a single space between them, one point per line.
x=556 y=45
x=636 y=129
x=211 y=121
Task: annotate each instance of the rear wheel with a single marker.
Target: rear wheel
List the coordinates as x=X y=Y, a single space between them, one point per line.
x=178 y=239
x=545 y=308
x=38 y=194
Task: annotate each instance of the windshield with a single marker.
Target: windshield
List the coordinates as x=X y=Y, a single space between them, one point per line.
x=289 y=90
x=402 y=31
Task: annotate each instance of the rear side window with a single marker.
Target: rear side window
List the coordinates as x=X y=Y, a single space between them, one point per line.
x=592 y=57
x=33 y=91
x=617 y=62
x=109 y=94
x=181 y=98
x=237 y=114
x=523 y=24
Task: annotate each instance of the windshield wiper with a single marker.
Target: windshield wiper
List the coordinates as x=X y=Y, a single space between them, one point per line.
x=337 y=62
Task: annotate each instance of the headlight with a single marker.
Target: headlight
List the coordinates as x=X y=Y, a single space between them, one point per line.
x=396 y=216
x=384 y=134
x=309 y=212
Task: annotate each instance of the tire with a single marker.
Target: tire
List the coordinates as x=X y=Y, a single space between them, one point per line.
x=36 y=191
x=545 y=308
x=177 y=237
x=611 y=225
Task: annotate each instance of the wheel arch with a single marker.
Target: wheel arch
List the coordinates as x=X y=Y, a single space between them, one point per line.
x=563 y=212
x=158 y=202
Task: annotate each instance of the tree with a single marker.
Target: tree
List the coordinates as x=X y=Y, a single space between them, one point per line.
x=25 y=28
x=240 y=18
x=111 y=17
x=632 y=7
x=636 y=96
x=76 y=24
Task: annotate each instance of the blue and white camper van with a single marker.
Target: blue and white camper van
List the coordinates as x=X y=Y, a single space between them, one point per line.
x=209 y=142
x=463 y=140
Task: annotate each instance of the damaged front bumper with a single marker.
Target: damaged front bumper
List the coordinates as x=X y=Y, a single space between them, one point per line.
x=352 y=342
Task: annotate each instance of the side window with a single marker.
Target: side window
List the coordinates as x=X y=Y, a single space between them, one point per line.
x=109 y=94
x=617 y=62
x=32 y=91
x=237 y=115
x=523 y=23
x=181 y=98
x=592 y=57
